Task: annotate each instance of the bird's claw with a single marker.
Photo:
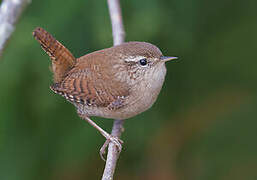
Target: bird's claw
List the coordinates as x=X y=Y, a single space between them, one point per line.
x=115 y=140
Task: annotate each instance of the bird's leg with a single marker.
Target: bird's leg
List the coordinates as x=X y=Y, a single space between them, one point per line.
x=109 y=137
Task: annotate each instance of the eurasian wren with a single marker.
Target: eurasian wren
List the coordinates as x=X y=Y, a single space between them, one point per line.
x=118 y=82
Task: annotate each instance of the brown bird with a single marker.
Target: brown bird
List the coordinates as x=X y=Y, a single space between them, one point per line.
x=118 y=82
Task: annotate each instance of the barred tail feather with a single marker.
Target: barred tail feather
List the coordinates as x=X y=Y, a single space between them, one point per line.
x=62 y=59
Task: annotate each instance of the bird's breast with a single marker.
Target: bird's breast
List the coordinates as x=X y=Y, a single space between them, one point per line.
x=144 y=93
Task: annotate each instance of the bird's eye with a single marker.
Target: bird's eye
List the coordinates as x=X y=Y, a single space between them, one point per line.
x=143 y=62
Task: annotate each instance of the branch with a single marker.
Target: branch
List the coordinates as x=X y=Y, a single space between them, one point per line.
x=10 y=11
x=118 y=34
x=113 y=153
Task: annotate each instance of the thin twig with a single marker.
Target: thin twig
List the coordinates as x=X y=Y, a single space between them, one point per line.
x=10 y=11
x=118 y=34
x=113 y=153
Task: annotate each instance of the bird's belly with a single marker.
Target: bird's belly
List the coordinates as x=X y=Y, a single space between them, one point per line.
x=122 y=113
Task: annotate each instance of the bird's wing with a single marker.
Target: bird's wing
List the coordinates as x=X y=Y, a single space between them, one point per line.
x=89 y=88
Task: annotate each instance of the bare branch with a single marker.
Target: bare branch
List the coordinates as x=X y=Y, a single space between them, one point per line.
x=10 y=11
x=118 y=34
x=113 y=153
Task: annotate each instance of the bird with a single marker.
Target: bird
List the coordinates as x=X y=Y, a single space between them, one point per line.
x=119 y=82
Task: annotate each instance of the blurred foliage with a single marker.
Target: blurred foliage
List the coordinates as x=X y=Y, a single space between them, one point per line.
x=203 y=125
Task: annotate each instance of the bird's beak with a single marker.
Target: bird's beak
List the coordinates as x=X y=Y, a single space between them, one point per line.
x=167 y=58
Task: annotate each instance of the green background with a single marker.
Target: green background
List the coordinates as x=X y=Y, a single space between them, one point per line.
x=202 y=127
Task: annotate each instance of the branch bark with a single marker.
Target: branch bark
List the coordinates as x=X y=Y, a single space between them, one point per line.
x=118 y=34
x=10 y=11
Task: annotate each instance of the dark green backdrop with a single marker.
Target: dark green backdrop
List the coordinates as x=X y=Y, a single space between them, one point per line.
x=202 y=127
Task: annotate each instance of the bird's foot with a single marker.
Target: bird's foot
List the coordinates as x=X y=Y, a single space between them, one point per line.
x=115 y=140
x=109 y=138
